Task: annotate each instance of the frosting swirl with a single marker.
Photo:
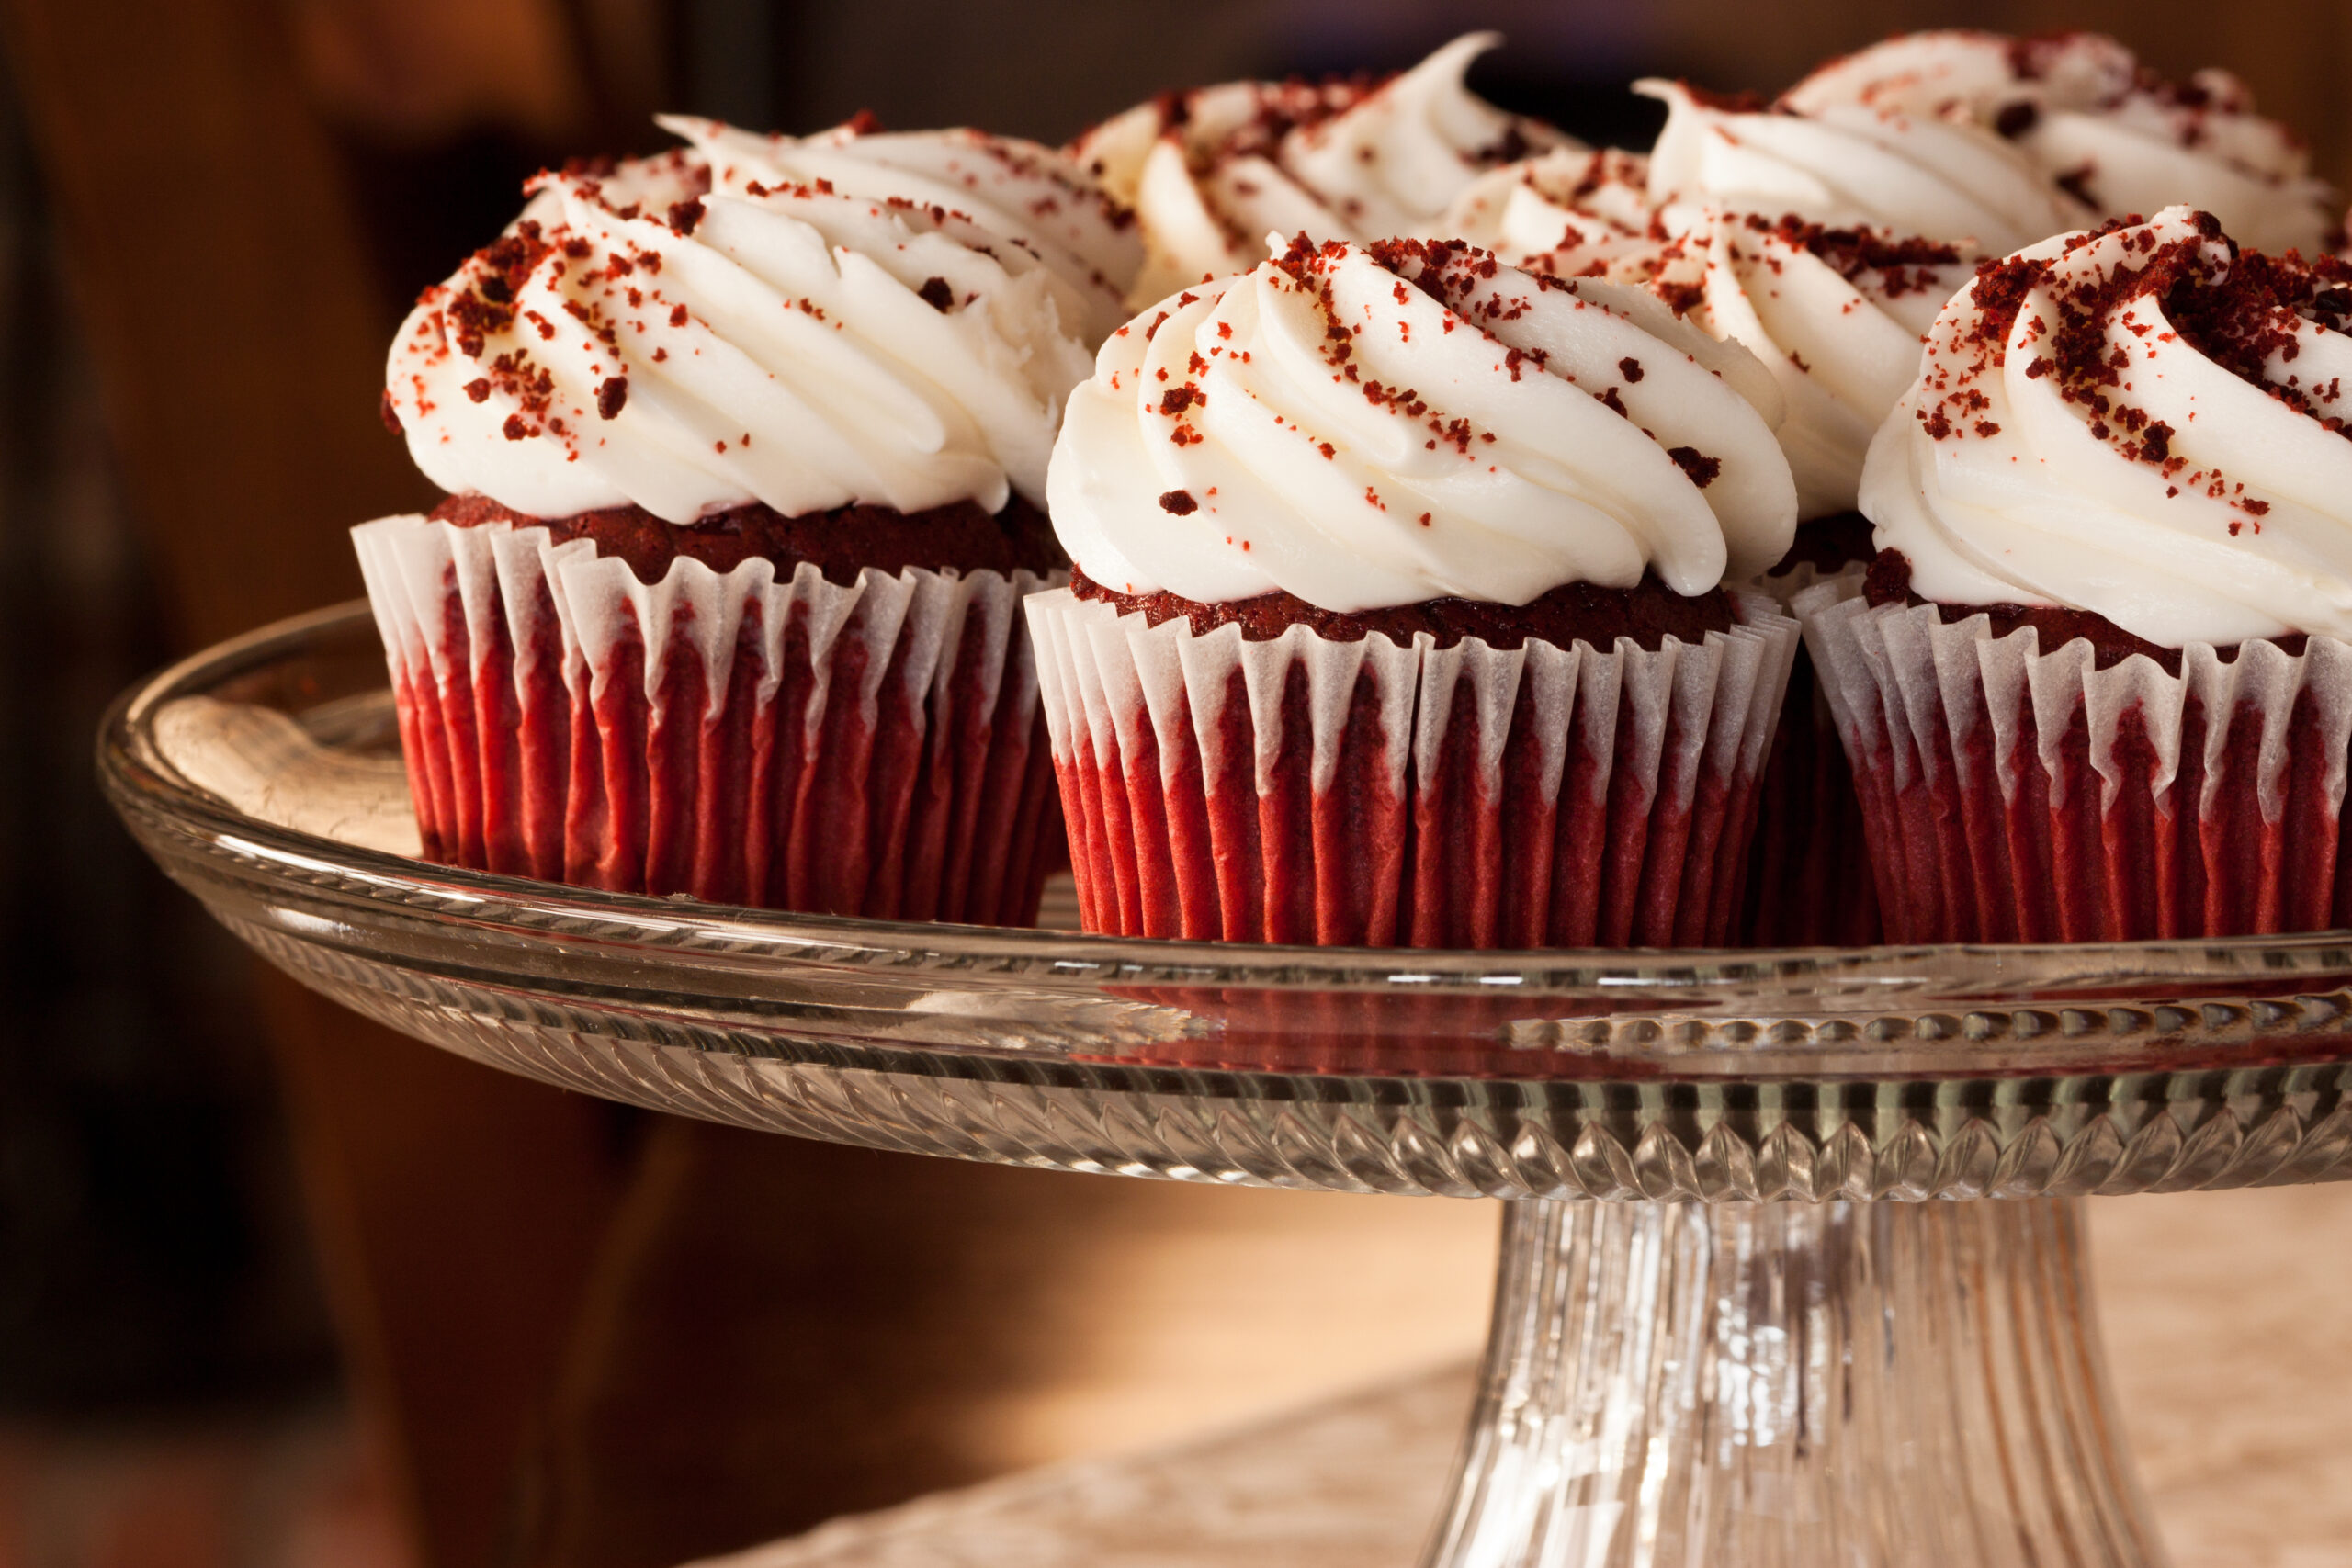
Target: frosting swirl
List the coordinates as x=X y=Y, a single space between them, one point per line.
x=2144 y=423
x=2089 y=113
x=808 y=324
x=1364 y=428
x=1211 y=172
x=1853 y=164
x=1835 y=315
x=1572 y=212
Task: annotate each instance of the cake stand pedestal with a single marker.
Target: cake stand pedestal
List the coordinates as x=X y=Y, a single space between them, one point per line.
x=1769 y=1384
x=1730 y=1328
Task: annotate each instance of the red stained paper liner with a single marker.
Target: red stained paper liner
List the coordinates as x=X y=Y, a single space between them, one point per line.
x=1369 y=792
x=871 y=750
x=1805 y=886
x=2011 y=795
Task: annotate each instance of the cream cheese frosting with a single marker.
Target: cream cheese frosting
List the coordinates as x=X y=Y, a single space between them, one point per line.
x=2147 y=423
x=1369 y=427
x=1825 y=243
x=1573 y=212
x=1848 y=165
x=1836 y=315
x=1210 y=173
x=2086 y=110
x=806 y=322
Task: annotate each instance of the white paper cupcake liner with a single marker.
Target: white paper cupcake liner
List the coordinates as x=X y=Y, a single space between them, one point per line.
x=2017 y=795
x=863 y=749
x=1801 y=890
x=1307 y=789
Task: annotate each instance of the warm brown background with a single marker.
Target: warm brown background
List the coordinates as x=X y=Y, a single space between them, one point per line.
x=577 y=1335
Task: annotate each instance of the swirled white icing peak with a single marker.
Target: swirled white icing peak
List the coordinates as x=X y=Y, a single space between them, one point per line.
x=2146 y=423
x=1854 y=164
x=1211 y=172
x=1835 y=315
x=1571 y=211
x=2085 y=110
x=804 y=323
x=1372 y=427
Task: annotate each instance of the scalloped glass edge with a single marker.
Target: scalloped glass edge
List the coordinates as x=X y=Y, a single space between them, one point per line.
x=2160 y=1006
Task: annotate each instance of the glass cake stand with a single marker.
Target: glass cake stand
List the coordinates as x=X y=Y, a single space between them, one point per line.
x=1691 y=1369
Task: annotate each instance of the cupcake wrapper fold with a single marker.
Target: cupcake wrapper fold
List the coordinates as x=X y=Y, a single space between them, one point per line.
x=1369 y=792
x=871 y=749
x=2011 y=795
x=1783 y=587
x=1802 y=890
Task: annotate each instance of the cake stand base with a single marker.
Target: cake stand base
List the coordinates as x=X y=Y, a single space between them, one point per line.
x=1754 y=1385
x=1894 y=1383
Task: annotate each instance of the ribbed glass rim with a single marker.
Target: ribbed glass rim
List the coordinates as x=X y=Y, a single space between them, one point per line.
x=695 y=935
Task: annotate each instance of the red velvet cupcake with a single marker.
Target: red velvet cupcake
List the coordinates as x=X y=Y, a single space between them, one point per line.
x=1399 y=617
x=1835 y=316
x=745 y=448
x=2098 y=685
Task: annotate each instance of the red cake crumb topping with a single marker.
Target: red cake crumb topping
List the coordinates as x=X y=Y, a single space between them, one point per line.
x=1460 y=278
x=2243 y=310
x=1295 y=104
x=1702 y=468
x=1741 y=102
x=1890 y=266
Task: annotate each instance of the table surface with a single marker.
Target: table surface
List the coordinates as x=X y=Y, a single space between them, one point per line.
x=2224 y=1313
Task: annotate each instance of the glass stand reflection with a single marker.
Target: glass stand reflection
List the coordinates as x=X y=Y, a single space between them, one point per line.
x=1898 y=1368
x=1902 y=1385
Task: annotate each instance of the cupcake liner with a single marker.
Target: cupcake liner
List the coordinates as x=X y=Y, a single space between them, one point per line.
x=868 y=748
x=1801 y=889
x=2011 y=795
x=1369 y=792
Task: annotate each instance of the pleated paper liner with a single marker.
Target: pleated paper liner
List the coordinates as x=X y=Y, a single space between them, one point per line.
x=870 y=749
x=1374 y=794
x=1802 y=889
x=2014 y=794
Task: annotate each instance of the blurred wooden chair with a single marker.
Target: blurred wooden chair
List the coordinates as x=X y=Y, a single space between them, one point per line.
x=237 y=324
x=592 y=1336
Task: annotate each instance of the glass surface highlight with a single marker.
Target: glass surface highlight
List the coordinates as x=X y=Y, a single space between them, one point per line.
x=265 y=776
x=1688 y=1374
